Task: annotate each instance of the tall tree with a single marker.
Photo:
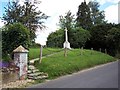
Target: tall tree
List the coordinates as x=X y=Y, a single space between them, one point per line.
x=96 y=15
x=113 y=40
x=66 y=21
x=83 y=16
x=25 y=14
x=99 y=34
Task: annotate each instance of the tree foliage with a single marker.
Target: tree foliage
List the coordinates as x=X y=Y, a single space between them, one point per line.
x=14 y=35
x=77 y=39
x=89 y=15
x=96 y=15
x=77 y=36
x=113 y=39
x=105 y=36
x=66 y=21
x=56 y=39
x=26 y=14
x=83 y=16
x=99 y=34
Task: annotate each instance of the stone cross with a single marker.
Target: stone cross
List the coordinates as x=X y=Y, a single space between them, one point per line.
x=66 y=43
x=66 y=36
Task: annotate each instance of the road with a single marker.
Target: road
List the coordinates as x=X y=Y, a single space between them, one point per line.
x=103 y=76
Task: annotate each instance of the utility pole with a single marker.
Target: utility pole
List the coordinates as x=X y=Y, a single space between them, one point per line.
x=119 y=12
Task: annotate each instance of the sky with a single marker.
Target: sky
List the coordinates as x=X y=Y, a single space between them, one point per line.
x=55 y=8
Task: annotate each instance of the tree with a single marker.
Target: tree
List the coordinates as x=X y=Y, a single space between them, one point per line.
x=83 y=16
x=98 y=36
x=26 y=14
x=14 y=35
x=79 y=37
x=113 y=40
x=66 y=21
x=96 y=15
x=56 y=39
x=89 y=15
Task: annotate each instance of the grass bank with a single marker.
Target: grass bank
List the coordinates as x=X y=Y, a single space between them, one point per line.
x=58 y=65
x=35 y=52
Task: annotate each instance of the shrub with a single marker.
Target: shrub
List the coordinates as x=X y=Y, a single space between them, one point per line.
x=14 y=35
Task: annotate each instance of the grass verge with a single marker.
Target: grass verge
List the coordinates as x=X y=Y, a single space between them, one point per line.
x=58 y=65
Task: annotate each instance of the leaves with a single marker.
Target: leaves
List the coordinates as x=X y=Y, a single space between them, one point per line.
x=113 y=38
x=66 y=21
x=77 y=38
x=14 y=35
x=25 y=14
x=83 y=16
x=97 y=16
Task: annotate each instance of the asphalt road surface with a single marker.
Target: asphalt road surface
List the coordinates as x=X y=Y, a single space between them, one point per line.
x=103 y=76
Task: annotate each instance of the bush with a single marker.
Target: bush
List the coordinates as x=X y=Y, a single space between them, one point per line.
x=79 y=37
x=76 y=36
x=14 y=35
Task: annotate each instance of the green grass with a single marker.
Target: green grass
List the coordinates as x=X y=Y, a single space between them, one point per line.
x=35 y=52
x=58 y=65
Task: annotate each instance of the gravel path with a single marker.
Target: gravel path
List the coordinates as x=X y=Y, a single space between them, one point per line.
x=17 y=84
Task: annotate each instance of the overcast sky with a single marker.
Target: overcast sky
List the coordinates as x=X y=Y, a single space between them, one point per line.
x=55 y=8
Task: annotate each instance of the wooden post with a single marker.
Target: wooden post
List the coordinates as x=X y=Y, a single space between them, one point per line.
x=81 y=53
x=91 y=51
x=65 y=52
x=41 y=47
x=100 y=49
x=105 y=51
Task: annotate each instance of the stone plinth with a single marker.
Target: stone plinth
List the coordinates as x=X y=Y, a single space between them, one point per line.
x=20 y=60
x=67 y=45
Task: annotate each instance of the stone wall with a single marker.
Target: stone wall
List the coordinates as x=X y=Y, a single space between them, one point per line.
x=9 y=74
